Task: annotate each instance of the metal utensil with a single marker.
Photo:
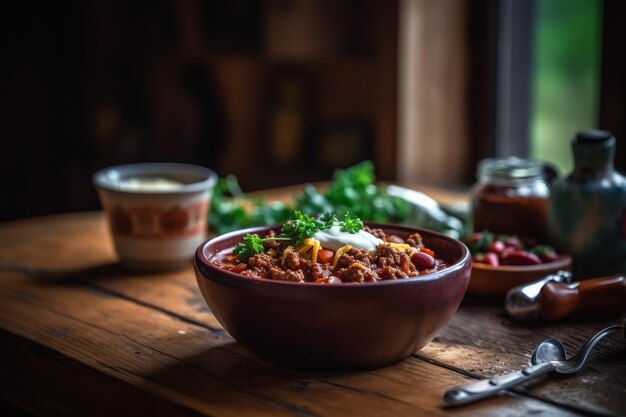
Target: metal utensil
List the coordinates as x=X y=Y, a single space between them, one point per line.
x=521 y=301
x=548 y=356
x=555 y=297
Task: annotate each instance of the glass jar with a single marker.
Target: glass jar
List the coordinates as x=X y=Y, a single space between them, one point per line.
x=511 y=197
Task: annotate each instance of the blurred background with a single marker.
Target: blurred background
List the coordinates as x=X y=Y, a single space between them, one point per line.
x=282 y=92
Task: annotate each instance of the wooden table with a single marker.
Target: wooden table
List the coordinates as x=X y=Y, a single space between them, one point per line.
x=80 y=335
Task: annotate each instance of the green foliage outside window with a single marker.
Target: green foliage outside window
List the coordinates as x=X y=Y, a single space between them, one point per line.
x=567 y=76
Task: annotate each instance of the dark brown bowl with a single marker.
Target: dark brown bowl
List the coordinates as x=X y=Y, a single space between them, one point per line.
x=333 y=327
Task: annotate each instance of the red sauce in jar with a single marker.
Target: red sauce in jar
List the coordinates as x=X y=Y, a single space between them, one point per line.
x=511 y=197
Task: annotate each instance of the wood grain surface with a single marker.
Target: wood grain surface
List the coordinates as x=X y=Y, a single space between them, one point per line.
x=81 y=335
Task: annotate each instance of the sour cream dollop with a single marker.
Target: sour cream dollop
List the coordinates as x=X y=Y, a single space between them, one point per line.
x=334 y=239
x=150 y=184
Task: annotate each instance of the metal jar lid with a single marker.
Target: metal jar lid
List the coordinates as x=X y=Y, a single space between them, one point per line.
x=511 y=167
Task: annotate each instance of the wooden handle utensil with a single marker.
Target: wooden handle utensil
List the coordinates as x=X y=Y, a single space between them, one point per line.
x=602 y=295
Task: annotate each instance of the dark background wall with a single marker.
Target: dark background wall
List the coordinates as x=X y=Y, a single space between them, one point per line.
x=275 y=92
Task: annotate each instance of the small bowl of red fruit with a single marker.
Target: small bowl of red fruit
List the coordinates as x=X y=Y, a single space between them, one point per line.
x=501 y=262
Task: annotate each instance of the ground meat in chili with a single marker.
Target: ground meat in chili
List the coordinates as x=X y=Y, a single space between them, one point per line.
x=379 y=233
x=391 y=260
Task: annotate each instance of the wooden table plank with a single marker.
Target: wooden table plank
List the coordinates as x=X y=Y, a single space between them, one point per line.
x=90 y=262
x=463 y=345
x=199 y=370
x=109 y=334
x=600 y=387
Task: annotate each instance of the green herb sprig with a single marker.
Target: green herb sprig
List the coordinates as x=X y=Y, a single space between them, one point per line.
x=251 y=245
x=351 y=223
x=302 y=227
x=297 y=230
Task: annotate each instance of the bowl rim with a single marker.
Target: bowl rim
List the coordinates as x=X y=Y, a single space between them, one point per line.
x=561 y=262
x=108 y=178
x=226 y=276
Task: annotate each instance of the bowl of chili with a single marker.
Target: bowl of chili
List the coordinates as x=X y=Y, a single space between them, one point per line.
x=323 y=325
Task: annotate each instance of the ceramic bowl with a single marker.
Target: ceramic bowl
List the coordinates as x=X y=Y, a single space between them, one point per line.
x=334 y=327
x=157 y=212
x=495 y=281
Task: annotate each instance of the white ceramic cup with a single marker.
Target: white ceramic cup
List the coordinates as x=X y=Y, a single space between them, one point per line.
x=157 y=212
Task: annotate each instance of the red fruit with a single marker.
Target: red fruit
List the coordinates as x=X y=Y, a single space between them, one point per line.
x=521 y=257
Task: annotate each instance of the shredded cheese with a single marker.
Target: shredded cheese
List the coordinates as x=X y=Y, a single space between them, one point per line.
x=285 y=252
x=401 y=246
x=309 y=244
x=315 y=251
x=304 y=248
x=357 y=265
x=340 y=252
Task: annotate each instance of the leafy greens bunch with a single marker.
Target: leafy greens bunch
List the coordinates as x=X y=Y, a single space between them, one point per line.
x=352 y=190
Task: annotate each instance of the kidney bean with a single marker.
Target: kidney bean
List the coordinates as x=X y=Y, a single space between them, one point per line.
x=521 y=257
x=422 y=260
x=506 y=252
x=325 y=256
x=492 y=259
x=549 y=256
x=488 y=258
x=497 y=247
x=474 y=237
x=513 y=242
x=394 y=239
x=334 y=280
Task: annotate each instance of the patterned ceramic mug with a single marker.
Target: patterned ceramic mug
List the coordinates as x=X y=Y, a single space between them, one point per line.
x=157 y=212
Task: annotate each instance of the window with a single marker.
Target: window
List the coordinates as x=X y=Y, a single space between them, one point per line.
x=566 y=83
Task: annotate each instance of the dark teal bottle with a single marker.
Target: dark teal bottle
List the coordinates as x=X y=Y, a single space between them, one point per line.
x=587 y=209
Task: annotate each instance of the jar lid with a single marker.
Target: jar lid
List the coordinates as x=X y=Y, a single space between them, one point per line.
x=511 y=167
x=594 y=136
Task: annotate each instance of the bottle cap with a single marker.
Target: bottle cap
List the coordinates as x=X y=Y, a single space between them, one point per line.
x=593 y=136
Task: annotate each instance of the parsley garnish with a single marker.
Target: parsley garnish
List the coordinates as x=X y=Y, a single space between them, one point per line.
x=300 y=228
x=328 y=219
x=297 y=230
x=248 y=247
x=251 y=245
x=351 y=223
